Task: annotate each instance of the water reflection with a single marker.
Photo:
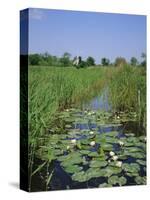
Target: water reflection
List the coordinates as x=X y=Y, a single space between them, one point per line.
x=100 y=102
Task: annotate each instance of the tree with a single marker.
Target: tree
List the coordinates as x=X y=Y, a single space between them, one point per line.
x=143 y=56
x=34 y=59
x=120 y=61
x=133 y=61
x=46 y=59
x=105 y=61
x=65 y=60
x=90 y=61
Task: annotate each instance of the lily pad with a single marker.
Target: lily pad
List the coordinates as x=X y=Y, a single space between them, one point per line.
x=73 y=168
x=107 y=147
x=85 y=152
x=96 y=163
x=131 y=168
x=104 y=185
x=94 y=173
x=141 y=162
x=140 y=180
x=93 y=154
x=113 y=180
x=110 y=170
x=79 y=176
x=71 y=161
x=112 y=134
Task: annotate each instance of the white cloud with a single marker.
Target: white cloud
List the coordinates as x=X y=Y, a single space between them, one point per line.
x=36 y=14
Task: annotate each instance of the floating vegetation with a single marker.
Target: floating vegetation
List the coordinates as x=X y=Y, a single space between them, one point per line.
x=111 y=156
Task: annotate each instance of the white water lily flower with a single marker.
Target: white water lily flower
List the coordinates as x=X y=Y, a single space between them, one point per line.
x=119 y=163
x=109 y=161
x=89 y=113
x=111 y=153
x=92 y=112
x=121 y=143
x=92 y=143
x=91 y=132
x=118 y=117
x=67 y=110
x=85 y=111
x=115 y=158
x=73 y=141
x=68 y=147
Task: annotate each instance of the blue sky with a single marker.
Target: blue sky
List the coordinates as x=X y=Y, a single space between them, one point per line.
x=87 y=34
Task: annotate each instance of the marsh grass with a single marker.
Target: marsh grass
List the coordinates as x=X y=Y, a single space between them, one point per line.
x=128 y=91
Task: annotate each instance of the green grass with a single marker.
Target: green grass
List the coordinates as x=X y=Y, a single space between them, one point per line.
x=51 y=89
x=128 y=90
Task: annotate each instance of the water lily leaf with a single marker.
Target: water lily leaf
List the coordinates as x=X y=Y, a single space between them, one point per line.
x=131 y=168
x=122 y=181
x=111 y=134
x=104 y=185
x=133 y=149
x=72 y=158
x=93 y=154
x=85 y=141
x=69 y=156
x=100 y=139
x=107 y=147
x=96 y=163
x=113 y=180
x=132 y=139
x=140 y=180
x=135 y=155
x=79 y=176
x=129 y=134
x=58 y=152
x=73 y=168
x=128 y=144
x=85 y=152
x=63 y=158
x=110 y=170
x=141 y=162
x=94 y=173
x=133 y=174
x=68 y=126
x=78 y=145
x=123 y=157
x=142 y=138
x=111 y=140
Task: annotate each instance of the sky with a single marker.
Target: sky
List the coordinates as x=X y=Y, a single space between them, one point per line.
x=87 y=34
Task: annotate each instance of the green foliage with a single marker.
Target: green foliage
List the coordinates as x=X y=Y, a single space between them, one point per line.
x=90 y=61
x=34 y=59
x=133 y=61
x=120 y=61
x=82 y=64
x=113 y=180
x=143 y=63
x=65 y=60
x=124 y=90
x=105 y=61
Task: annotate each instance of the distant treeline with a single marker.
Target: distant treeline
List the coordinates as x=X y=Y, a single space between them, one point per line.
x=46 y=59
